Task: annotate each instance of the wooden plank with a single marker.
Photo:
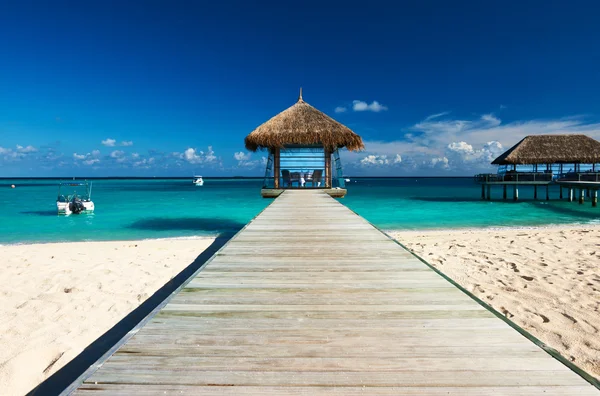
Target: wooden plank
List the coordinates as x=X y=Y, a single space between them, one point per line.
x=310 y=299
x=133 y=389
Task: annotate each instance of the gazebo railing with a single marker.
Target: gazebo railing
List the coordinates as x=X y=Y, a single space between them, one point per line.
x=580 y=177
x=514 y=177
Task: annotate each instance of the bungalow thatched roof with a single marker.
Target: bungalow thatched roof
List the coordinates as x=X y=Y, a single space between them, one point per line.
x=302 y=124
x=552 y=149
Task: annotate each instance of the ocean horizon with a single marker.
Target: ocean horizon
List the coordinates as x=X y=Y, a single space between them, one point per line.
x=151 y=208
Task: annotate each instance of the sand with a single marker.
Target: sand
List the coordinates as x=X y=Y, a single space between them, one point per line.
x=546 y=280
x=57 y=298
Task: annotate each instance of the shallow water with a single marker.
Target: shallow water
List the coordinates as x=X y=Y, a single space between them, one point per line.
x=160 y=208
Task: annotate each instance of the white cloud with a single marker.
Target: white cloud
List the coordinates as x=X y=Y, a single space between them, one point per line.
x=144 y=163
x=89 y=158
x=244 y=160
x=340 y=109
x=91 y=161
x=127 y=143
x=372 y=159
x=375 y=106
x=135 y=155
x=109 y=142
x=397 y=159
x=241 y=156
x=198 y=157
x=19 y=153
x=28 y=149
x=439 y=162
x=117 y=154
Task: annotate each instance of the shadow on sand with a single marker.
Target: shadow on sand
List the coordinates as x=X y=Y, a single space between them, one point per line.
x=211 y=224
x=64 y=377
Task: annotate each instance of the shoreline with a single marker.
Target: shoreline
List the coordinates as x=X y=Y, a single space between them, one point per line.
x=495 y=228
x=177 y=238
x=388 y=231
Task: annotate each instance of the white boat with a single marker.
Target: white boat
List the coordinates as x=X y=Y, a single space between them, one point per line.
x=198 y=181
x=75 y=203
x=347 y=180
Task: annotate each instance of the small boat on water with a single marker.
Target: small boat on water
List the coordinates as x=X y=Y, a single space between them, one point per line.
x=198 y=181
x=77 y=202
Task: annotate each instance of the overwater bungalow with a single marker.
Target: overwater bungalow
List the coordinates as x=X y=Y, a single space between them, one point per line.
x=542 y=160
x=301 y=142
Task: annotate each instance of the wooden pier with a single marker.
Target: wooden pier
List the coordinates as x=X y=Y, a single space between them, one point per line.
x=310 y=299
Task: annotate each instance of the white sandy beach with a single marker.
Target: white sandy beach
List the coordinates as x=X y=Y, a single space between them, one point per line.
x=57 y=298
x=546 y=280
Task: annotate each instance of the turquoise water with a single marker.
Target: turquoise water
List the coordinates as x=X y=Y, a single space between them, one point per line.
x=157 y=208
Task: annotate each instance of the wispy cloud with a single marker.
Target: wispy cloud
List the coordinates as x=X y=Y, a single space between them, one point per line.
x=127 y=143
x=341 y=109
x=458 y=145
x=245 y=160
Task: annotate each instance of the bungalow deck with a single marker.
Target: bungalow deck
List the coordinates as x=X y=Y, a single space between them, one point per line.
x=309 y=298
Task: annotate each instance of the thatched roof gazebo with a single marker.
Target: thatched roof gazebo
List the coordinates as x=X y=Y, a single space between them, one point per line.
x=552 y=149
x=301 y=141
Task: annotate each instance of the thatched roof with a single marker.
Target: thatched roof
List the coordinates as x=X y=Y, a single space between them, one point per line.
x=552 y=149
x=302 y=124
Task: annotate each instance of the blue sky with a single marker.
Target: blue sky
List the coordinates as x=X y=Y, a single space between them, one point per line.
x=171 y=88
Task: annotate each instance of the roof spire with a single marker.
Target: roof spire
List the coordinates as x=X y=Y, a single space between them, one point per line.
x=300 y=97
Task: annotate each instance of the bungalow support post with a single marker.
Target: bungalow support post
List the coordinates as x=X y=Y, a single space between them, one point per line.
x=570 y=194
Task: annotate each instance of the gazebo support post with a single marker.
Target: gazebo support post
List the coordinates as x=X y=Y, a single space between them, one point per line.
x=276 y=168
x=516 y=193
x=547 y=192
x=489 y=192
x=535 y=192
x=327 y=169
x=504 y=192
x=595 y=199
x=570 y=194
x=561 y=191
x=483 y=191
x=581 y=196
